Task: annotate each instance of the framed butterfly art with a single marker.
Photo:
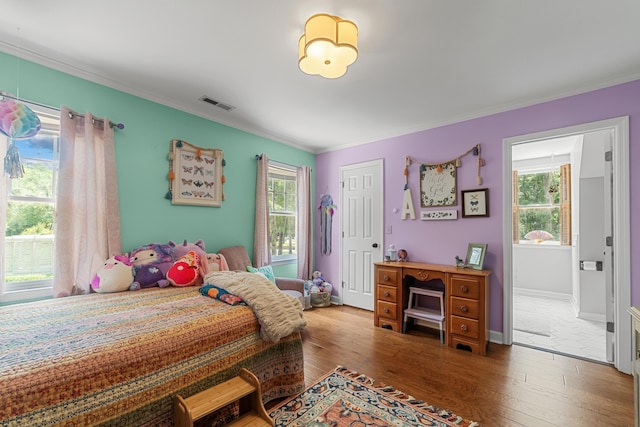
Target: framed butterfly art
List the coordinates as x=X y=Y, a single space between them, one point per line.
x=195 y=175
x=475 y=202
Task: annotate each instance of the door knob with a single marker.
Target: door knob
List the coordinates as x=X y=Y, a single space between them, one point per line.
x=375 y=245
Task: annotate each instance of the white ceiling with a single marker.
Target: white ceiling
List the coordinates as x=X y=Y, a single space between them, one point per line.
x=422 y=64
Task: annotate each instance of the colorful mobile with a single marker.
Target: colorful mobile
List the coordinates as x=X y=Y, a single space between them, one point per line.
x=17 y=121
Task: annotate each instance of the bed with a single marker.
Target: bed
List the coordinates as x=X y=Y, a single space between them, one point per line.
x=119 y=359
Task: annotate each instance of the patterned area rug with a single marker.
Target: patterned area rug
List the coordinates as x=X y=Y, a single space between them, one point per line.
x=347 y=398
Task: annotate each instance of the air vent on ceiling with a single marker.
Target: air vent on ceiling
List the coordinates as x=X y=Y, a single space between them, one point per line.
x=218 y=104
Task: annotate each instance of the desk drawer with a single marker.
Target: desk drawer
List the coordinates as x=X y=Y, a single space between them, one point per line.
x=464 y=327
x=465 y=286
x=388 y=276
x=464 y=307
x=387 y=310
x=424 y=275
x=387 y=293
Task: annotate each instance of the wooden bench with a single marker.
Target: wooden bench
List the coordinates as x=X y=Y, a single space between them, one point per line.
x=244 y=388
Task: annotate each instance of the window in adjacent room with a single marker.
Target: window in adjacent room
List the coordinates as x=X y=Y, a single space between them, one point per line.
x=542 y=206
x=282 y=212
x=28 y=213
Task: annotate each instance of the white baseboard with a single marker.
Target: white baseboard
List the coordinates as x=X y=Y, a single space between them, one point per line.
x=541 y=294
x=596 y=317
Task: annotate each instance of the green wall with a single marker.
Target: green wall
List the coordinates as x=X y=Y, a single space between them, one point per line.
x=142 y=150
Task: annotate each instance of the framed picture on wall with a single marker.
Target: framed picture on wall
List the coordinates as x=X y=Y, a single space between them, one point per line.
x=438 y=185
x=197 y=175
x=475 y=202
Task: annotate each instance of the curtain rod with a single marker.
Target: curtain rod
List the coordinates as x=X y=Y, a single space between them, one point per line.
x=259 y=157
x=71 y=114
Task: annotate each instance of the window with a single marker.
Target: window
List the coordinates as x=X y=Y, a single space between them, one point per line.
x=542 y=206
x=28 y=213
x=282 y=212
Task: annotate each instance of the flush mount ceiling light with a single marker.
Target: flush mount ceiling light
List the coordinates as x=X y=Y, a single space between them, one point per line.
x=328 y=46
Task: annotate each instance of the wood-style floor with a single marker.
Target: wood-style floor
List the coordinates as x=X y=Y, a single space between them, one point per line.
x=512 y=386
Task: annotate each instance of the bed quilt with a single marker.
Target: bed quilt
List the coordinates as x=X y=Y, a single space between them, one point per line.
x=119 y=359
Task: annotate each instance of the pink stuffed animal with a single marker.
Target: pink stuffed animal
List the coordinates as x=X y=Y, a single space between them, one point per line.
x=217 y=262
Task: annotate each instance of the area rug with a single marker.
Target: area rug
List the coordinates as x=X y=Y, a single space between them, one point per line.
x=348 y=398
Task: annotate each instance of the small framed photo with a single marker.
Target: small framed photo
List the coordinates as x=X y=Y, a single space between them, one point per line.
x=475 y=255
x=475 y=202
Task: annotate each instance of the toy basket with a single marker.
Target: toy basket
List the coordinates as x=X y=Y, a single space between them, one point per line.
x=320 y=299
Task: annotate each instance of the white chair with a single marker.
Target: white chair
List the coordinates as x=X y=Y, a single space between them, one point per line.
x=414 y=310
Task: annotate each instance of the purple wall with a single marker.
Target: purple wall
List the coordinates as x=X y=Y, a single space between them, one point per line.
x=440 y=241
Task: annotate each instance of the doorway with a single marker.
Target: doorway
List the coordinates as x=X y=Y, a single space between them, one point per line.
x=361 y=231
x=619 y=340
x=559 y=217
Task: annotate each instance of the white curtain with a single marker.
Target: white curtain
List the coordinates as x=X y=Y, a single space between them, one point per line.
x=303 y=233
x=88 y=214
x=261 y=249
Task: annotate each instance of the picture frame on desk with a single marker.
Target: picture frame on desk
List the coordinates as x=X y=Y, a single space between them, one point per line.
x=475 y=255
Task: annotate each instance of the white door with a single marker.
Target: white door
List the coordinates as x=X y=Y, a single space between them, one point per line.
x=361 y=210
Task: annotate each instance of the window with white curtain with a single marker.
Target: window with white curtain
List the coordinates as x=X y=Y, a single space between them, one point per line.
x=28 y=213
x=282 y=212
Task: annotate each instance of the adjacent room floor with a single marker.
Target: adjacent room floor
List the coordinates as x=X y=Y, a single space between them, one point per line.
x=550 y=324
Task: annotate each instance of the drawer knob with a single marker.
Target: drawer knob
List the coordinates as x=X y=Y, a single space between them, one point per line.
x=386 y=278
x=386 y=294
x=464 y=328
x=386 y=310
x=464 y=289
x=464 y=308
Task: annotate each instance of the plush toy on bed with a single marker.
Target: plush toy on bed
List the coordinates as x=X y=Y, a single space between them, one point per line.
x=115 y=276
x=179 y=251
x=150 y=265
x=185 y=271
x=217 y=262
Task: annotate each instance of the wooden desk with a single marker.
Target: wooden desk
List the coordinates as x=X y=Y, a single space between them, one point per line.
x=466 y=300
x=635 y=315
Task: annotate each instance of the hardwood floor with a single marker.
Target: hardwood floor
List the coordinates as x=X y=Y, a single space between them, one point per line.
x=512 y=386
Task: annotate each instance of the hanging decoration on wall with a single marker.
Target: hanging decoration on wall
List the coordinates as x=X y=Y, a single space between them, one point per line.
x=17 y=121
x=327 y=208
x=438 y=185
x=407 y=203
x=438 y=180
x=195 y=175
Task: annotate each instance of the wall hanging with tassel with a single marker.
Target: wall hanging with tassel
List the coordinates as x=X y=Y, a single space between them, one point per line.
x=17 y=121
x=195 y=175
x=438 y=185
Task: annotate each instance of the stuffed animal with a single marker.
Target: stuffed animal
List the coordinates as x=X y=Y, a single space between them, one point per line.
x=217 y=262
x=318 y=284
x=150 y=265
x=185 y=271
x=198 y=247
x=115 y=276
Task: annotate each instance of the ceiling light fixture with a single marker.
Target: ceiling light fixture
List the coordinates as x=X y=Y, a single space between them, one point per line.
x=328 y=46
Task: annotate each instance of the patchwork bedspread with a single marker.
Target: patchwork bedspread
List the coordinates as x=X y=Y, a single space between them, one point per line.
x=119 y=359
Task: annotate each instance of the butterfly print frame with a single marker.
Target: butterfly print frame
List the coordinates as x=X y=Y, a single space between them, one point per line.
x=475 y=203
x=197 y=174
